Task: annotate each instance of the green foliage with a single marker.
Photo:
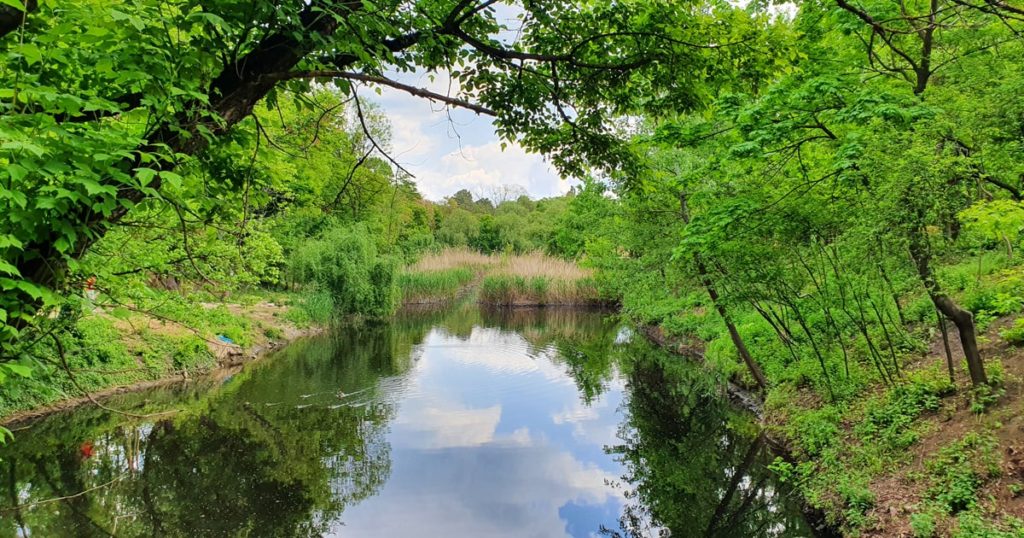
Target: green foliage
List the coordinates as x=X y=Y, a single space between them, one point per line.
x=922 y=524
x=958 y=470
x=995 y=220
x=1015 y=333
x=312 y=307
x=888 y=420
x=817 y=431
x=344 y=262
x=974 y=525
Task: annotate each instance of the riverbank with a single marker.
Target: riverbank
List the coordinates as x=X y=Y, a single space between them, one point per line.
x=114 y=350
x=922 y=458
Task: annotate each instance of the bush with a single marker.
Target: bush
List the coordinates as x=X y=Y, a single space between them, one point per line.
x=889 y=419
x=343 y=262
x=817 y=430
x=1015 y=334
x=988 y=304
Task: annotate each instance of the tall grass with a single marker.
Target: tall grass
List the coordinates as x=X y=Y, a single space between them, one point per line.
x=520 y=280
x=517 y=290
x=453 y=258
x=539 y=265
x=436 y=285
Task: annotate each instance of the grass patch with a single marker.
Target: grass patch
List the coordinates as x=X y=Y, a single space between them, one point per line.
x=439 y=285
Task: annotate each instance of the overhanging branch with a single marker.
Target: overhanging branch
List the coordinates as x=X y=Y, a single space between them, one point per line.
x=383 y=81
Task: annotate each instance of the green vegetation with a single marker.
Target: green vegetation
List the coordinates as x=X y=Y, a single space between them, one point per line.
x=429 y=286
x=504 y=289
x=170 y=336
x=829 y=196
x=531 y=279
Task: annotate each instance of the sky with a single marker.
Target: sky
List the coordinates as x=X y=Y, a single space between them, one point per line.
x=453 y=149
x=449 y=150
x=492 y=438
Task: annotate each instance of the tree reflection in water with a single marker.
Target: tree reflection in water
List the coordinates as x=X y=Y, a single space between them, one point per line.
x=694 y=465
x=273 y=453
x=287 y=445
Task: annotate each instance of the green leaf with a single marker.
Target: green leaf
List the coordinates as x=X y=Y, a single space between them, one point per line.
x=8 y=269
x=145 y=175
x=171 y=178
x=18 y=369
x=16 y=4
x=31 y=289
x=46 y=202
x=16 y=171
x=92 y=187
x=30 y=52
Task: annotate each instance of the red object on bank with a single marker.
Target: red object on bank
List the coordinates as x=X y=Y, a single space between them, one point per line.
x=86 y=449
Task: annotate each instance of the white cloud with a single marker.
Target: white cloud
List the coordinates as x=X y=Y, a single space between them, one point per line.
x=447 y=425
x=486 y=165
x=492 y=492
x=449 y=150
x=502 y=352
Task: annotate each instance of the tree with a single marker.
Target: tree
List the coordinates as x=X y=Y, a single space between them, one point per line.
x=912 y=43
x=107 y=103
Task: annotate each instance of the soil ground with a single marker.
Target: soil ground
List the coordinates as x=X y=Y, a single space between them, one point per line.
x=899 y=492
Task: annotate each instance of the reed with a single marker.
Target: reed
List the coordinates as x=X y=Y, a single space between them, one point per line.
x=517 y=290
x=539 y=265
x=453 y=258
x=436 y=285
x=506 y=279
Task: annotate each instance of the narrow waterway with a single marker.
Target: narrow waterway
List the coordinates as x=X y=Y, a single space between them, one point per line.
x=525 y=423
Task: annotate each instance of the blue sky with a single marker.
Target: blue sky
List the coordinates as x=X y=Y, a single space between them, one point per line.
x=454 y=149
x=457 y=149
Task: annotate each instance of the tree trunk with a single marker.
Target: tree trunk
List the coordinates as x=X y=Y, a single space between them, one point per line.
x=734 y=335
x=963 y=319
x=945 y=345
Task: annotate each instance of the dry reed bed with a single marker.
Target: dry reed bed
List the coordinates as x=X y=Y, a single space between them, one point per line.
x=532 y=279
x=451 y=258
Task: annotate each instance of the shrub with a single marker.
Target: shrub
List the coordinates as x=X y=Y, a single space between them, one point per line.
x=889 y=419
x=343 y=261
x=817 y=430
x=1015 y=334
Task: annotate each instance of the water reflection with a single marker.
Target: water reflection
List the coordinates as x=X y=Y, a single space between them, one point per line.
x=696 y=466
x=465 y=423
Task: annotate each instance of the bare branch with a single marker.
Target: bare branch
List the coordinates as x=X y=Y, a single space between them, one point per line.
x=371 y=79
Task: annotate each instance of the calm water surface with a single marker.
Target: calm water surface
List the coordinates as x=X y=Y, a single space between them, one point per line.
x=522 y=423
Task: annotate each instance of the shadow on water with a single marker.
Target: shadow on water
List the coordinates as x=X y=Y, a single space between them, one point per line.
x=323 y=434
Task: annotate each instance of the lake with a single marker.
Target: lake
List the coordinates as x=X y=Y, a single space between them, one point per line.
x=525 y=423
